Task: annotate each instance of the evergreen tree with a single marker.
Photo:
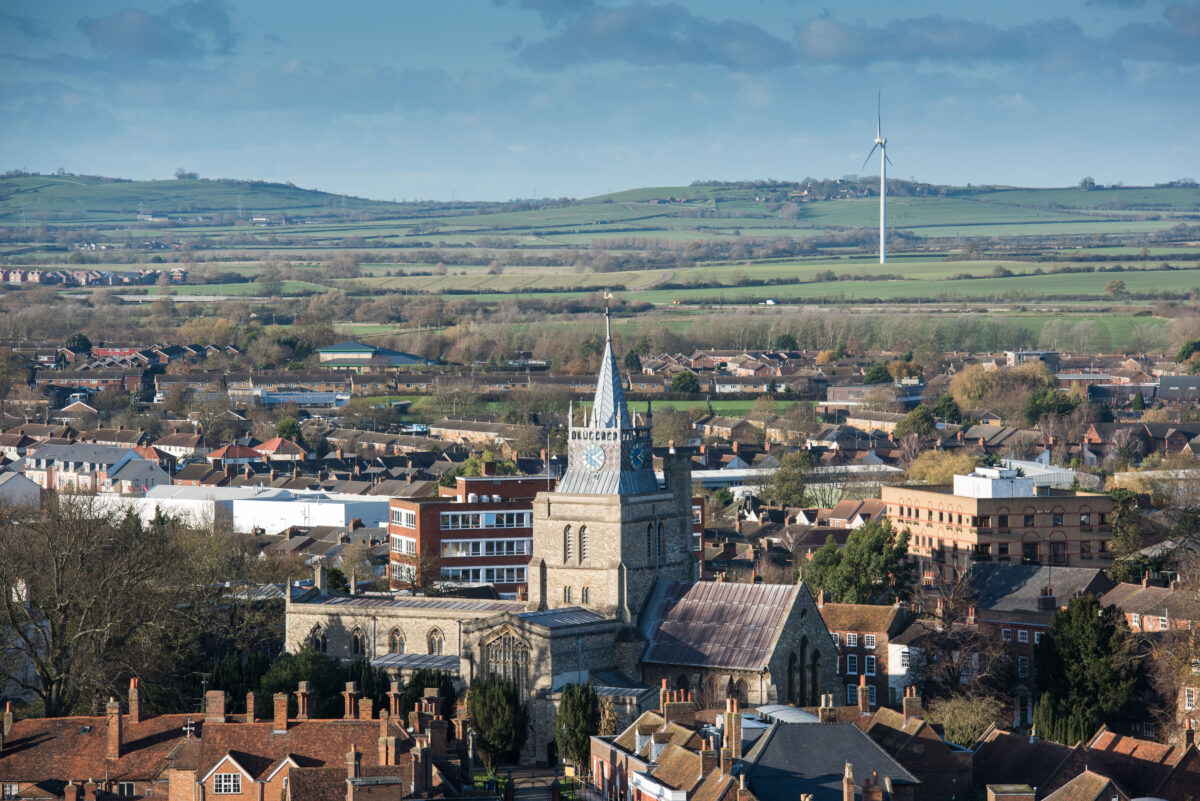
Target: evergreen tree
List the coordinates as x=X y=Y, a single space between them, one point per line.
x=633 y=362
x=238 y=674
x=790 y=480
x=878 y=373
x=919 y=421
x=872 y=568
x=947 y=409
x=1088 y=672
x=577 y=720
x=1128 y=564
x=325 y=676
x=424 y=678
x=500 y=720
x=1139 y=401
x=786 y=341
x=685 y=381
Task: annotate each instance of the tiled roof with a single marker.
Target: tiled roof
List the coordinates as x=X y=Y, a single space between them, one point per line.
x=310 y=743
x=858 y=617
x=715 y=624
x=677 y=768
x=1088 y=786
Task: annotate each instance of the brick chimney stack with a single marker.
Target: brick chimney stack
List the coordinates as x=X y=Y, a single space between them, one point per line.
x=726 y=762
x=112 y=711
x=351 y=697
x=733 y=727
x=281 y=712
x=864 y=695
x=214 y=706
x=366 y=709
x=827 y=713
x=848 y=783
x=912 y=704
x=1189 y=734
x=251 y=706
x=71 y=792
x=395 y=701
x=302 y=696
x=352 y=765
x=438 y=728
x=135 y=702
x=709 y=760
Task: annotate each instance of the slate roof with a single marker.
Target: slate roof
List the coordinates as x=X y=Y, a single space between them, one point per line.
x=563 y=618
x=446 y=662
x=1006 y=588
x=715 y=624
x=83 y=452
x=796 y=758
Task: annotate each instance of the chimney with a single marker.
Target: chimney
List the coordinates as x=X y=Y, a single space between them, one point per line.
x=1146 y=579
x=733 y=727
x=281 y=712
x=89 y=790
x=709 y=761
x=352 y=763
x=112 y=711
x=395 y=701
x=726 y=762
x=135 y=702
x=864 y=695
x=214 y=706
x=302 y=696
x=71 y=792
x=821 y=599
x=1189 y=734
x=366 y=709
x=680 y=709
x=912 y=704
x=388 y=751
x=356 y=523
x=320 y=577
x=487 y=468
x=827 y=713
x=8 y=718
x=251 y=706
x=663 y=694
x=351 y=697
x=438 y=727
x=848 y=783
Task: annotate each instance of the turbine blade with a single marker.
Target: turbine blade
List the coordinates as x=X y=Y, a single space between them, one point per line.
x=878 y=112
x=868 y=158
x=885 y=156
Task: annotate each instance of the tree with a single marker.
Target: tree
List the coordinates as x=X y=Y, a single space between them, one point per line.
x=1045 y=402
x=633 y=362
x=1087 y=184
x=947 y=409
x=872 y=568
x=428 y=678
x=878 y=373
x=1139 y=401
x=1115 y=289
x=325 y=676
x=685 y=381
x=790 y=480
x=966 y=716
x=78 y=340
x=1088 y=671
x=940 y=467
x=289 y=428
x=786 y=341
x=1126 y=537
x=577 y=720
x=919 y=421
x=1186 y=350
x=500 y=720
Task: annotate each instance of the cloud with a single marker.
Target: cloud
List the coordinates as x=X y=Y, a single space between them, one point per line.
x=647 y=35
x=1126 y=4
x=34 y=29
x=1174 y=38
x=185 y=32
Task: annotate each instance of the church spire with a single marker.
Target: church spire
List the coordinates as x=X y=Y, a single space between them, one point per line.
x=608 y=408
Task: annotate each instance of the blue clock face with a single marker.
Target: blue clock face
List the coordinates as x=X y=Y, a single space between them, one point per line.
x=593 y=457
x=639 y=455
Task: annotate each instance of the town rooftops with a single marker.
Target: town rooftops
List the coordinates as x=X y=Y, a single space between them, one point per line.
x=1016 y=588
x=87 y=453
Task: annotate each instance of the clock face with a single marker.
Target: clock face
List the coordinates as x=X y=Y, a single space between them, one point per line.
x=593 y=457
x=639 y=455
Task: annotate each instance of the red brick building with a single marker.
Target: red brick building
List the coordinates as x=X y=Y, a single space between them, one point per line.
x=862 y=633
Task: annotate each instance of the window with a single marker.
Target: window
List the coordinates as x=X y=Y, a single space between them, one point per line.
x=404 y=518
x=1023 y=667
x=585 y=595
x=126 y=789
x=396 y=642
x=1162 y=624
x=568 y=544
x=317 y=638
x=1189 y=698
x=436 y=642
x=9 y=790
x=566 y=595
x=1085 y=549
x=905 y=659
x=505 y=547
x=583 y=543
x=1056 y=519
x=1037 y=637
x=403 y=572
x=662 y=551
x=405 y=545
x=1002 y=550
x=1028 y=521
x=457 y=520
x=358 y=642
x=227 y=784
x=1002 y=521
x=1022 y=635
x=1006 y=635
x=834 y=635
x=851 y=694
x=871 y=694
x=870 y=665
x=1135 y=619
x=868 y=640
x=851 y=640
x=851 y=664
x=1085 y=519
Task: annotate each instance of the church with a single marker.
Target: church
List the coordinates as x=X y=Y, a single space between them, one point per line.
x=613 y=597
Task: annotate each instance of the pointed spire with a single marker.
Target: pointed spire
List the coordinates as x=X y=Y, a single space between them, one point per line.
x=608 y=408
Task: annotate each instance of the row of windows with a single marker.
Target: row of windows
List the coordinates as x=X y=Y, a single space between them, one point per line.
x=485 y=575
x=852 y=665
x=585 y=595
x=1022 y=635
x=1058 y=550
x=852 y=694
x=506 y=547
x=227 y=784
x=459 y=520
x=569 y=542
x=405 y=518
x=852 y=640
x=404 y=545
x=359 y=645
x=1002 y=521
x=1136 y=620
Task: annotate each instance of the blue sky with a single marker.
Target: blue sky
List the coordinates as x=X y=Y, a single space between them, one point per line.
x=496 y=99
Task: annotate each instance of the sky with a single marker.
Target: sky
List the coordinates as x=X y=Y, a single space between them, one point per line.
x=502 y=99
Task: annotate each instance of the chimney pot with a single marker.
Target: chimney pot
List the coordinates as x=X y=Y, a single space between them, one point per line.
x=302 y=696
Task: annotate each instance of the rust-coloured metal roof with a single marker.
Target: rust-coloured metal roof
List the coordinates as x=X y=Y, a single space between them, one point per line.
x=716 y=624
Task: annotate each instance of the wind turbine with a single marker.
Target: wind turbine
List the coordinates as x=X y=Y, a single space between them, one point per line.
x=881 y=146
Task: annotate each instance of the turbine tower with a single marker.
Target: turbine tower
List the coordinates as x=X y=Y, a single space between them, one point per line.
x=881 y=146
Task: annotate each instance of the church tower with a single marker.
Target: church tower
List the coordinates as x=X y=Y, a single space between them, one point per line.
x=608 y=532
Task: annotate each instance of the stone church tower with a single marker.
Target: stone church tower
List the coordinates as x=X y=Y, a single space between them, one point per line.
x=608 y=533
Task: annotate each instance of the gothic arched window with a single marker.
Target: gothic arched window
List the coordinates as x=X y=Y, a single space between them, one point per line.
x=661 y=550
x=649 y=541
x=508 y=657
x=436 y=642
x=568 y=544
x=396 y=642
x=317 y=638
x=566 y=595
x=358 y=642
x=584 y=549
x=585 y=595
